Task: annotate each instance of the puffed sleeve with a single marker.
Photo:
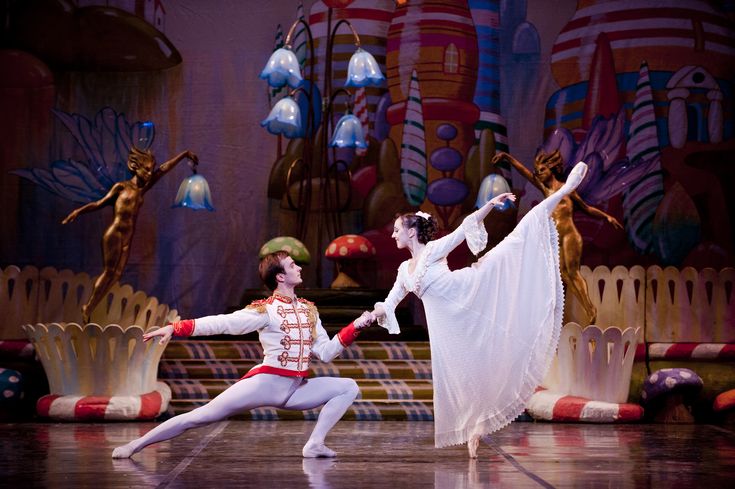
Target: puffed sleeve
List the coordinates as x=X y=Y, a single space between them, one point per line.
x=395 y=296
x=326 y=349
x=470 y=230
x=239 y=322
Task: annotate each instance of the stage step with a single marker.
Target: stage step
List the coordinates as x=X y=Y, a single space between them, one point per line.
x=356 y=369
x=251 y=350
x=370 y=389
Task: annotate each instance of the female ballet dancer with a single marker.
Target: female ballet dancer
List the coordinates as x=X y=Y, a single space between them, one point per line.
x=493 y=326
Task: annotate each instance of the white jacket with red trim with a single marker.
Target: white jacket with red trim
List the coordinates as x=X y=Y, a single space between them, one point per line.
x=290 y=332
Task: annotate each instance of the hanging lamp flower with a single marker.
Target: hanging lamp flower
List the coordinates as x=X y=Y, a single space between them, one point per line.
x=348 y=133
x=490 y=187
x=284 y=118
x=194 y=194
x=363 y=70
x=282 y=68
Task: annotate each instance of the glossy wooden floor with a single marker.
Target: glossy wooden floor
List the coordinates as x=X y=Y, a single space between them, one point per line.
x=393 y=455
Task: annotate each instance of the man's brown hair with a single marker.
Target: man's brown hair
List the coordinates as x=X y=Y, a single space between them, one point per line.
x=270 y=266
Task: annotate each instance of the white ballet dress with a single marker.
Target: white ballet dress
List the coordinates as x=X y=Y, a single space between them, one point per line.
x=493 y=326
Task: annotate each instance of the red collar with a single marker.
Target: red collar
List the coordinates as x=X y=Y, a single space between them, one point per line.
x=283 y=298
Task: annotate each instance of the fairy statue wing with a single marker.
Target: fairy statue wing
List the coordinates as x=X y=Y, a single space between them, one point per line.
x=105 y=141
x=69 y=179
x=603 y=149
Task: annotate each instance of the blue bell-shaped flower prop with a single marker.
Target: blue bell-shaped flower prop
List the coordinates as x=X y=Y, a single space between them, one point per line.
x=363 y=70
x=282 y=68
x=348 y=133
x=284 y=118
x=490 y=187
x=194 y=194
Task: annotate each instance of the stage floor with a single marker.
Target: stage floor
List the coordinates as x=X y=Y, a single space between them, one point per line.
x=392 y=455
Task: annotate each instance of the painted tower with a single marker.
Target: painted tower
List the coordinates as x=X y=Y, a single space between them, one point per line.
x=433 y=43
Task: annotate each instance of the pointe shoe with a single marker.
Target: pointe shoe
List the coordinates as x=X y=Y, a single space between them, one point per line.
x=472 y=445
x=576 y=176
x=317 y=450
x=125 y=451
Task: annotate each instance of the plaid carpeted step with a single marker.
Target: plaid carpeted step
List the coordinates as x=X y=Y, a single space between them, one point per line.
x=361 y=410
x=251 y=350
x=387 y=389
x=357 y=369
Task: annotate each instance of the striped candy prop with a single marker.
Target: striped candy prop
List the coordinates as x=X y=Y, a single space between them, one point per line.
x=413 y=147
x=549 y=406
x=274 y=92
x=361 y=112
x=721 y=352
x=642 y=197
x=299 y=39
x=105 y=408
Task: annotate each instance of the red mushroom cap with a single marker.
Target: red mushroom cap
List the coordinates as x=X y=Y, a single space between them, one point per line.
x=349 y=247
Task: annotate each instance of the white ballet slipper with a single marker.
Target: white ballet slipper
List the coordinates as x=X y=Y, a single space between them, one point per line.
x=124 y=451
x=576 y=176
x=472 y=445
x=317 y=450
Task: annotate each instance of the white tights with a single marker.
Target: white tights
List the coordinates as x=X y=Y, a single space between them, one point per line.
x=294 y=393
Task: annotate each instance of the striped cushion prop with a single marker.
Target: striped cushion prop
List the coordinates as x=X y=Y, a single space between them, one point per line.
x=105 y=408
x=12 y=349
x=549 y=406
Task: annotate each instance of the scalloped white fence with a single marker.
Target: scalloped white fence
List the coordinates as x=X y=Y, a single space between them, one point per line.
x=671 y=305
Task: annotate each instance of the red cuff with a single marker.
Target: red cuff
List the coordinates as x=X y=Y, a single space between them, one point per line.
x=183 y=328
x=348 y=334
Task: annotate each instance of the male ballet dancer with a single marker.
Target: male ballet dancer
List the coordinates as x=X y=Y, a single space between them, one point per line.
x=290 y=331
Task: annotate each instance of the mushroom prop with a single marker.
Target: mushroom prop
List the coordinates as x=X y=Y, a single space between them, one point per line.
x=724 y=405
x=667 y=395
x=344 y=251
x=290 y=245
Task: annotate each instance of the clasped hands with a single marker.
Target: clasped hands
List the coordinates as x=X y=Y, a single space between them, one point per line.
x=365 y=320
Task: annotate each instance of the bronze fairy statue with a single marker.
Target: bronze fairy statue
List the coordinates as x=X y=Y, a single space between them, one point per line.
x=126 y=197
x=547 y=177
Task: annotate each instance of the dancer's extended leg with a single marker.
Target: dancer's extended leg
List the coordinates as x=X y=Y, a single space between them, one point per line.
x=338 y=394
x=259 y=390
x=573 y=180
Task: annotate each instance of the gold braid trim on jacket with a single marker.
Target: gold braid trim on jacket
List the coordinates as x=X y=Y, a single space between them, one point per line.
x=259 y=305
x=312 y=317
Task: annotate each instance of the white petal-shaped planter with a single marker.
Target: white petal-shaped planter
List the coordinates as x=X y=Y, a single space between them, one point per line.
x=100 y=370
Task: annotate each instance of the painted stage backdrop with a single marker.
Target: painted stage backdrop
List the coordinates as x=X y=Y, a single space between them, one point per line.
x=641 y=90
